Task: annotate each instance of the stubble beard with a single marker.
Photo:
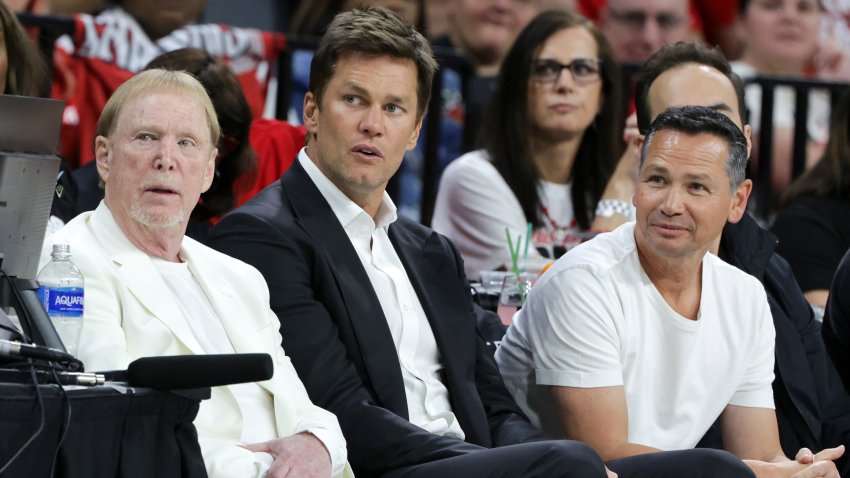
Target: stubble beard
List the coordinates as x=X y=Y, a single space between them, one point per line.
x=150 y=219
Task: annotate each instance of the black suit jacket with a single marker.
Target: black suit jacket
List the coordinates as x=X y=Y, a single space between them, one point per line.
x=335 y=331
x=811 y=409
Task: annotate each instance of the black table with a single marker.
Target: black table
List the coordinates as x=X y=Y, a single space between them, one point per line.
x=113 y=432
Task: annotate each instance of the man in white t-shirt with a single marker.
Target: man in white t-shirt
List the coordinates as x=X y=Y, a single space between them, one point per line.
x=150 y=290
x=638 y=340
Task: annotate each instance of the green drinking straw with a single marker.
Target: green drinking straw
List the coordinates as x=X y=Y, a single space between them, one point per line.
x=527 y=240
x=514 y=252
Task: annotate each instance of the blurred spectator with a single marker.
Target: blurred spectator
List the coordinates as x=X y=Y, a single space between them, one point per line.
x=551 y=143
x=483 y=31
x=814 y=225
x=312 y=17
x=268 y=15
x=23 y=70
x=109 y=48
x=638 y=28
x=781 y=39
x=437 y=18
x=720 y=25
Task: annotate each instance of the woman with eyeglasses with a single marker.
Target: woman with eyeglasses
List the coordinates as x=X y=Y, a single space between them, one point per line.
x=550 y=145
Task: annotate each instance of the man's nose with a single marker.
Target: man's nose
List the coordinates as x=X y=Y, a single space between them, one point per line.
x=651 y=34
x=164 y=160
x=372 y=121
x=672 y=204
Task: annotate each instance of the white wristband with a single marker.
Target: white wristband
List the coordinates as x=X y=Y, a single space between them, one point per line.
x=609 y=207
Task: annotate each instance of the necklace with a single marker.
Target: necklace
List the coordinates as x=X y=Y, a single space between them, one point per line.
x=552 y=223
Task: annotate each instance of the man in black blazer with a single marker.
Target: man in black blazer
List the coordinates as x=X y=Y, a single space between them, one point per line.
x=376 y=312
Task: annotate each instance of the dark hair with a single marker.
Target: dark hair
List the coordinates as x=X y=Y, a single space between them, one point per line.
x=829 y=177
x=373 y=31
x=26 y=69
x=673 y=56
x=236 y=156
x=506 y=133
x=694 y=120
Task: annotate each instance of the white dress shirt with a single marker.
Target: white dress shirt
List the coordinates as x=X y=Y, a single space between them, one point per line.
x=427 y=397
x=254 y=401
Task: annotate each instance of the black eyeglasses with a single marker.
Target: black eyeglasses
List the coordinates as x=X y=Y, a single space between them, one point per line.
x=584 y=70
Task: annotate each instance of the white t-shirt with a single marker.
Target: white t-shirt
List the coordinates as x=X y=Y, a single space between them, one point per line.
x=595 y=320
x=474 y=206
x=817 y=123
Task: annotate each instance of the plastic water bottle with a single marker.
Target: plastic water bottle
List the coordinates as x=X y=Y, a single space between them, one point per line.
x=61 y=287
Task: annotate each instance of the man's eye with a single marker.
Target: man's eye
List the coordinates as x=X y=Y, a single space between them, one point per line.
x=144 y=137
x=698 y=187
x=185 y=142
x=656 y=179
x=393 y=108
x=351 y=99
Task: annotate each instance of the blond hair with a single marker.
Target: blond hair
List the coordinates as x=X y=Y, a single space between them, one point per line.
x=156 y=80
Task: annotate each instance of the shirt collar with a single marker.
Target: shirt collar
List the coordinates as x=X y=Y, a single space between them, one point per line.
x=346 y=210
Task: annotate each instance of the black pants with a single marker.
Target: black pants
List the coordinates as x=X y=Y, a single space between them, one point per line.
x=696 y=463
x=572 y=459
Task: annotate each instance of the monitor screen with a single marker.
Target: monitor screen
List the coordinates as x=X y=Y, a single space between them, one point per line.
x=29 y=134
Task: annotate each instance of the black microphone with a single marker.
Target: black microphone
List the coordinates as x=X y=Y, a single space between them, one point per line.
x=177 y=372
x=9 y=348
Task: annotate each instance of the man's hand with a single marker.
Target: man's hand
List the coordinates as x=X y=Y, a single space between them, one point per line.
x=821 y=469
x=806 y=465
x=830 y=62
x=805 y=455
x=301 y=455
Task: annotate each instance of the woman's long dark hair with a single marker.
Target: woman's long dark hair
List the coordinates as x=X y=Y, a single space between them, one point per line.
x=237 y=158
x=830 y=177
x=26 y=68
x=507 y=131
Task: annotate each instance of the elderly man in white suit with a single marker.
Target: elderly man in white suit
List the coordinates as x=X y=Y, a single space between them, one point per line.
x=152 y=291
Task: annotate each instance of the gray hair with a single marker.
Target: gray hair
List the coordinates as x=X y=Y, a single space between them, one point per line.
x=693 y=120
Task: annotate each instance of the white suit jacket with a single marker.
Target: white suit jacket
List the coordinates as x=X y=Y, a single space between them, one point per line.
x=130 y=313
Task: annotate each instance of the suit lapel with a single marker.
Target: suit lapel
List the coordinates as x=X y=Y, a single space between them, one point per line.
x=365 y=315
x=141 y=277
x=425 y=262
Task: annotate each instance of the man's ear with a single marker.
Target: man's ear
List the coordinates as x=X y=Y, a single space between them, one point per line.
x=311 y=113
x=103 y=156
x=415 y=136
x=739 y=201
x=748 y=132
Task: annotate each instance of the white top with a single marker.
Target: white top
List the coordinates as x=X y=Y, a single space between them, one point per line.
x=428 y=403
x=817 y=123
x=596 y=320
x=254 y=401
x=474 y=206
